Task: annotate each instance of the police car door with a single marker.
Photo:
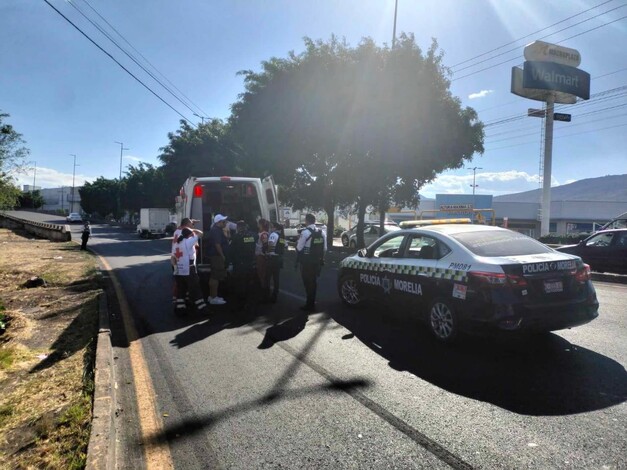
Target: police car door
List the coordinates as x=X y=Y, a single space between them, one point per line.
x=375 y=276
x=415 y=281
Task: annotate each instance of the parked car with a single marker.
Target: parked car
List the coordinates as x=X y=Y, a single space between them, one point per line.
x=604 y=251
x=73 y=218
x=371 y=234
x=470 y=278
x=346 y=234
x=292 y=233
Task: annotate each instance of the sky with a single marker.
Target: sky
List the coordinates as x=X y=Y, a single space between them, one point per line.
x=67 y=97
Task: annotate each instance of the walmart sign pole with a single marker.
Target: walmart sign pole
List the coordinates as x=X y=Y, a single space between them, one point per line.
x=550 y=74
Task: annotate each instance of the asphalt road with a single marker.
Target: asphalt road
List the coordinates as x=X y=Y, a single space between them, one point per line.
x=361 y=389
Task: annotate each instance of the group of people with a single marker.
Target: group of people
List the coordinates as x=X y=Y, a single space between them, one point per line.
x=253 y=258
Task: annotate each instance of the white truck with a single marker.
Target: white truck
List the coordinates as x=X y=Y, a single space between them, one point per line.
x=153 y=222
x=237 y=197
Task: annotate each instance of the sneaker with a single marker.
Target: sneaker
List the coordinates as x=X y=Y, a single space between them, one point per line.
x=216 y=301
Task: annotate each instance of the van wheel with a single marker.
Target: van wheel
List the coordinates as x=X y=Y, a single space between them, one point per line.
x=348 y=288
x=353 y=244
x=443 y=321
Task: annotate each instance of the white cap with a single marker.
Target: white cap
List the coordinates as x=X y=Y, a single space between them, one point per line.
x=218 y=218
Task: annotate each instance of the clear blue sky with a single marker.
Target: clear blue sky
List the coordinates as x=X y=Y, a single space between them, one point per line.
x=67 y=97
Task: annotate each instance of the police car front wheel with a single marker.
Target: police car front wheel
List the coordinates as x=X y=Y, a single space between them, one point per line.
x=349 y=291
x=443 y=321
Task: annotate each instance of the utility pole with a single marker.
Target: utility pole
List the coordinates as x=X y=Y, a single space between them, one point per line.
x=474 y=185
x=545 y=221
x=394 y=30
x=122 y=149
x=34 y=175
x=73 y=173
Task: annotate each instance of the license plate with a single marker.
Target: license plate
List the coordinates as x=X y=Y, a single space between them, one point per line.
x=551 y=287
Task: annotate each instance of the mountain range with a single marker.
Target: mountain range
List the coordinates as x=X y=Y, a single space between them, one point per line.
x=604 y=188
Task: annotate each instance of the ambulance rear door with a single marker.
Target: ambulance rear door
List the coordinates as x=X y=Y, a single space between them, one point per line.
x=270 y=198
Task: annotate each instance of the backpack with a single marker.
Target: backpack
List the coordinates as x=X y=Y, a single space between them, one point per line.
x=315 y=253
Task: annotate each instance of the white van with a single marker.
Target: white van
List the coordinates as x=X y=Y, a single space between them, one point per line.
x=238 y=198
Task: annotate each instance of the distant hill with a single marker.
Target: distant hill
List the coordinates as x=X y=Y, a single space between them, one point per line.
x=604 y=188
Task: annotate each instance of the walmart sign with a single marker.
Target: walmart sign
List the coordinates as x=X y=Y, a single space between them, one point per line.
x=556 y=77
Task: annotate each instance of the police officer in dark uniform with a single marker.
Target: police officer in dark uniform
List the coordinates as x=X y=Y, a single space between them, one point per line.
x=310 y=250
x=242 y=258
x=274 y=257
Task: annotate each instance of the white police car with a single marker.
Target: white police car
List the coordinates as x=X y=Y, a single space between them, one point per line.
x=471 y=278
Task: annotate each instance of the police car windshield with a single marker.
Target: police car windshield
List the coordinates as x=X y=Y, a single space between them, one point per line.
x=500 y=243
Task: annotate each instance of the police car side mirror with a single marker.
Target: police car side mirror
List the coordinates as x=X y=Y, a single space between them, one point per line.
x=363 y=253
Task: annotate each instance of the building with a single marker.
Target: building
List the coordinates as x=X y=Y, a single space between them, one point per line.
x=58 y=199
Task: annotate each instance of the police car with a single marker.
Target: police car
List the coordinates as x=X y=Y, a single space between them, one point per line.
x=471 y=278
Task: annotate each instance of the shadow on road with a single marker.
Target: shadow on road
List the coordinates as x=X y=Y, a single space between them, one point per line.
x=545 y=375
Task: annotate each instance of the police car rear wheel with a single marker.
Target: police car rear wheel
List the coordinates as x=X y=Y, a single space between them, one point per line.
x=442 y=321
x=349 y=291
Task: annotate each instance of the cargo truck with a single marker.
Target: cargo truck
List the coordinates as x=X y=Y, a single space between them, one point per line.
x=153 y=222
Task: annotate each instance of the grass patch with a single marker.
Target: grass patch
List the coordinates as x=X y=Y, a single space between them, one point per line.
x=7 y=357
x=5 y=412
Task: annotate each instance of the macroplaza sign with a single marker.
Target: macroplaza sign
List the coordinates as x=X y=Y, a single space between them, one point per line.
x=558 y=77
x=544 y=52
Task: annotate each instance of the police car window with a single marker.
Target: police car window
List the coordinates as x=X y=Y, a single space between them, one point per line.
x=500 y=243
x=421 y=247
x=604 y=239
x=388 y=248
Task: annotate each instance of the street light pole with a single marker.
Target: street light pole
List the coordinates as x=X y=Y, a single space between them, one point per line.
x=34 y=175
x=394 y=30
x=73 y=174
x=122 y=149
x=202 y=118
x=474 y=185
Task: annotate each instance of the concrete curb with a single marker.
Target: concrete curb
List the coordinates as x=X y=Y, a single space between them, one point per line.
x=101 y=449
x=607 y=277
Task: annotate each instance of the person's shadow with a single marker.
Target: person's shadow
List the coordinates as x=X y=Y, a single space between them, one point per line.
x=284 y=331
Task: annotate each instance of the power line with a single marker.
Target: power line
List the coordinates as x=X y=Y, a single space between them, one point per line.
x=129 y=56
x=558 y=42
x=117 y=62
x=543 y=37
x=531 y=34
x=198 y=108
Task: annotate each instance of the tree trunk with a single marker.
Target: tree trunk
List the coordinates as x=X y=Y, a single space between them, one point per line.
x=361 y=213
x=329 y=208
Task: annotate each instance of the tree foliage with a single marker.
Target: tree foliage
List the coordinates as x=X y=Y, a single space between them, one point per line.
x=31 y=200
x=144 y=187
x=207 y=150
x=100 y=197
x=370 y=124
x=12 y=156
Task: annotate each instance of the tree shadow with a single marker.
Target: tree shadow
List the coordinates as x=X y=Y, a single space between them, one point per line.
x=542 y=375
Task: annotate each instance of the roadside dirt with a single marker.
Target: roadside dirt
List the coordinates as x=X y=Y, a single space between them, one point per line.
x=46 y=352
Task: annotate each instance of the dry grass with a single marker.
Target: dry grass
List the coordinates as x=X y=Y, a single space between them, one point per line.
x=46 y=353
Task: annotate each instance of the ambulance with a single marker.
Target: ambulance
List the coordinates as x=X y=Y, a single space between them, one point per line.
x=238 y=198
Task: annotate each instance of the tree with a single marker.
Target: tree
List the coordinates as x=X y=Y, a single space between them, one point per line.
x=31 y=199
x=203 y=151
x=368 y=124
x=100 y=197
x=12 y=156
x=144 y=187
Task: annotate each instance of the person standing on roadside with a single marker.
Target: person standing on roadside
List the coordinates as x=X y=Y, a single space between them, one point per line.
x=274 y=259
x=310 y=250
x=85 y=234
x=218 y=246
x=260 y=257
x=183 y=260
x=189 y=224
x=243 y=261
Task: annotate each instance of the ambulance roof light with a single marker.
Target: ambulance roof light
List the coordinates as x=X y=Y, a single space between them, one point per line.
x=198 y=190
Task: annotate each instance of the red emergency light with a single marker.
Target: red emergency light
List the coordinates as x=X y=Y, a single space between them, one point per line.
x=198 y=190
x=225 y=178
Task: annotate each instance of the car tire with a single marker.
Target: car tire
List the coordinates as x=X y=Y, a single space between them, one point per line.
x=442 y=321
x=348 y=289
x=344 y=241
x=353 y=244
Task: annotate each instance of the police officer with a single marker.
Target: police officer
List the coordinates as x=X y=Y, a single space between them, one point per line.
x=274 y=257
x=85 y=234
x=242 y=259
x=310 y=250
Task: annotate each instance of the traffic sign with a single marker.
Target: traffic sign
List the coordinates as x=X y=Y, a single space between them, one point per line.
x=532 y=112
x=561 y=117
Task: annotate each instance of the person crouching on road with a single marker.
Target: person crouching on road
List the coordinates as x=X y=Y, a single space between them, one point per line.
x=274 y=259
x=310 y=250
x=243 y=260
x=185 y=275
x=218 y=246
x=260 y=257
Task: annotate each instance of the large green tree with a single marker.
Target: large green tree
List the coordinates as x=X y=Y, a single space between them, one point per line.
x=144 y=187
x=206 y=150
x=101 y=196
x=12 y=158
x=368 y=124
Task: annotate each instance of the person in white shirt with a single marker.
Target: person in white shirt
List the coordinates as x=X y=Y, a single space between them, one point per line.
x=310 y=250
x=183 y=261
